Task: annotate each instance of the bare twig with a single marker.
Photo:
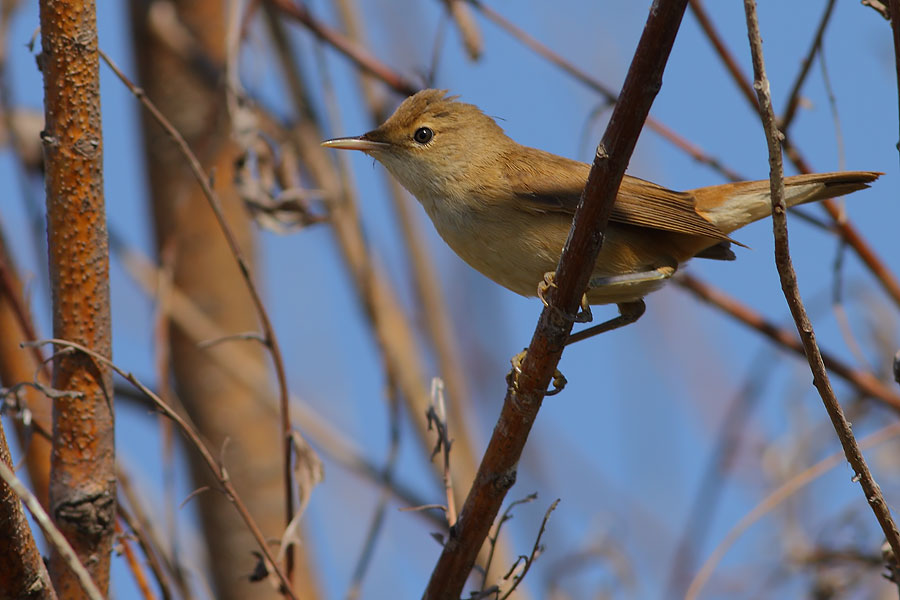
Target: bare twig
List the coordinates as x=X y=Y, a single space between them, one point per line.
x=731 y=64
x=271 y=341
x=863 y=381
x=493 y=539
x=377 y=524
x=468 y=28
x=360 y=56
x=792 y=296
x=847 y=231
x=536 y=550
x=776 y=497
x=437 y=418
x=137 y=569
x=149 y=554
x=526 y=391
x=794 y=98
x=894 y=8
x=247 y=370
x=217 y=469
x=54 y=535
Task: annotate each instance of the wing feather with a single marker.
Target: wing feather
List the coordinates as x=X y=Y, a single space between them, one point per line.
x=556 y=187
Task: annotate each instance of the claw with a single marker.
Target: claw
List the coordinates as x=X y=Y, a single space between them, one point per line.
x=584 y=315
x=559 y=382
x=512 y=378
x=548 y=282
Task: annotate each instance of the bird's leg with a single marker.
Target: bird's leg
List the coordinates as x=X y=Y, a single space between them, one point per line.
x=632 y=278
x=629 y=312
x=584 y=314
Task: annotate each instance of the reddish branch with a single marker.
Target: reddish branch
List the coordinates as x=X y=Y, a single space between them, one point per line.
x=894 y=8
x=863 y=381
x=848 y=232
x=83 y=480
x=497 y=472
x=795 y=303
x=22 y=570
x=345 y=46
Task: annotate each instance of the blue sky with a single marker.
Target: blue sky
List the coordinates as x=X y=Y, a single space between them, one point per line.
x=626 y=443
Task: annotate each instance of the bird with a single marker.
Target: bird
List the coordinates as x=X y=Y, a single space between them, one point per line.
x=506 y=209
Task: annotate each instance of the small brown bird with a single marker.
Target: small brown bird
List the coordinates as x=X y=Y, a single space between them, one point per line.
x=506 y=209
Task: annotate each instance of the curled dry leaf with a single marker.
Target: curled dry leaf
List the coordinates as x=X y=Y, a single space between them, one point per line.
x=308 y=473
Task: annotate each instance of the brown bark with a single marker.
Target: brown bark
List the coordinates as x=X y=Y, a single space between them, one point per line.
x=82 y=486
x=22 y=570
x=182 y=84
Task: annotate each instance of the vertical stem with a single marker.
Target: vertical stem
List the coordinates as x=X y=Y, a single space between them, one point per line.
x=83 y=482
x=791 y=291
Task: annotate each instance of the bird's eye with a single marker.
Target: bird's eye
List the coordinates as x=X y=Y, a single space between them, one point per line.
x=423 y=135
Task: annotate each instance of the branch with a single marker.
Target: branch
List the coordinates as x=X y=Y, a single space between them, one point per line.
x=844 y=227
x=894 y=8
x=863 y=381
x=792 y=296
x=83 y=479
x=269 y=338
x=217 y=469
x=356 y=53
x=61 y=547
x=496 y=474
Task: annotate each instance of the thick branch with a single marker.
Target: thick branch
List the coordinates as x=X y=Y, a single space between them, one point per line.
x=83 y=480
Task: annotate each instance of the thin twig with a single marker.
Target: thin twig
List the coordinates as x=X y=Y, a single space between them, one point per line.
x=731 y=64
x=359 y=55
x=709 y=492
x=894 y=8
x=136 y=568
x=776 y=497
x=376 y=525
x=794 y=98
x=217 y=469
x=889 y=282
x=492 y=539
x=54 y=535
x=248 y=371
x=437 y=417
x=271 y=341
x=149 y=554
x=792 y=296
x=863 y=381
x=536 y=551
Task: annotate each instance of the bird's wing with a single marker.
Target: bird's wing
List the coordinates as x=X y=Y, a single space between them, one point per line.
x=556 y=187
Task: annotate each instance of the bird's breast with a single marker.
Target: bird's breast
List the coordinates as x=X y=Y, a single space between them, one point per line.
x=511 y=248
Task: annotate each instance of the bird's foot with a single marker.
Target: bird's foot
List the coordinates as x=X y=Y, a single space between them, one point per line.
x=584 y=313
x=512 y=379
x=545 y=285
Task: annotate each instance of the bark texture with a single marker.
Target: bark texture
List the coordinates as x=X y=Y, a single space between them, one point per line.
x=83 y=484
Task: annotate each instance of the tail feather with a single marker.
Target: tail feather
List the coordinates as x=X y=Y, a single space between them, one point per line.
x=732 y=205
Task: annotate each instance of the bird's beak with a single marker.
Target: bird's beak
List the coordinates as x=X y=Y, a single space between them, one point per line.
x=356 y=143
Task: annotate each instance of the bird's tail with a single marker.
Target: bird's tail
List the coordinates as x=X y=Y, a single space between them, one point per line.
x=732 y=205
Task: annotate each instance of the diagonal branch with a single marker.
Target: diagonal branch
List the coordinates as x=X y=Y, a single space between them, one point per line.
x=792 y=295
x=525 y=393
